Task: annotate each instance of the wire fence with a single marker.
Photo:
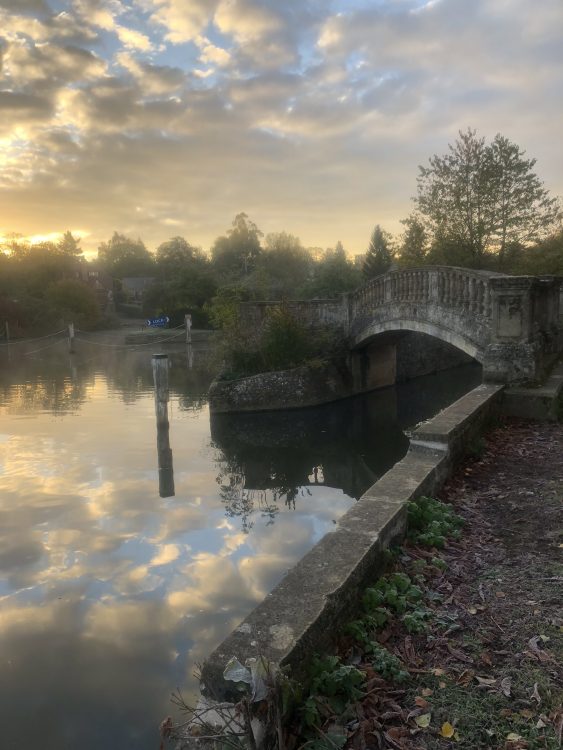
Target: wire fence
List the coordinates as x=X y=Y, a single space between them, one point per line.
x=31 y=341
x=91 y=341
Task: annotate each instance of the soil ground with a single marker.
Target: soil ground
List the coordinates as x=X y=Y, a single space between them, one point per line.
x=487 y=671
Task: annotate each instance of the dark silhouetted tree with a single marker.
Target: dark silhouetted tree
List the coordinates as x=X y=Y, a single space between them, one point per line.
x=414 y=242
x=478 y=199
x=235 y=255
x=379 y=255
x=122 y=256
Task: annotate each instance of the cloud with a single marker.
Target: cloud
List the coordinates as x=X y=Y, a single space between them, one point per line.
x=183 y=20
x=310 y=116
x=133 y=39
x=152 y=79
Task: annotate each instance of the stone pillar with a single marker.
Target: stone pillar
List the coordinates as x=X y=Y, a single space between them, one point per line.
x=513 y=308
x=514 y=352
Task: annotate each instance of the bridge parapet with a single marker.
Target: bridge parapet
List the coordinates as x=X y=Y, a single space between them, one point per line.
x=458 y=288
x=510 y=324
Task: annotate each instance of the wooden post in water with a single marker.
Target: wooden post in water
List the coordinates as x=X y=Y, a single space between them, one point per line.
x=161 y=397
x=188 y=324
x=161 y=392
x=8 y=340
x=71 y=338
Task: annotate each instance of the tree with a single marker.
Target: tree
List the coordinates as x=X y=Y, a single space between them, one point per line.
x=414 y=242
x=283 y=267
x=177 y=255
x=333 y=274
x=235 y=255
x=74 y=301
x=480 y=198
x=379 y=255
x=69 y=245
x=544 y=258
x=122 y=256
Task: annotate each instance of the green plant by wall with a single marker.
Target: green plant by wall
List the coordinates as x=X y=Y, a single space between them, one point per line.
x=333 y=686
x=430 y=522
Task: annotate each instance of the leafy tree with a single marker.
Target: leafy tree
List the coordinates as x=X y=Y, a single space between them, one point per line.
x=176 y=255
x=379 y=255
x=334 y=274
x=235 y=255
x=122 y=256
x=414 y=242
x=283 y=267
x=480 y=198
x=544 y=258
x=69 y=245
x=74 y=301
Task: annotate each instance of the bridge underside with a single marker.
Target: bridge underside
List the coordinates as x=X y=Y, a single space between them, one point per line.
x=382 y=330
x=383 y=357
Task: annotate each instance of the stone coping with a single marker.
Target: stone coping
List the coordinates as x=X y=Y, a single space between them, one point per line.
x=301 y=614
x=535 y=403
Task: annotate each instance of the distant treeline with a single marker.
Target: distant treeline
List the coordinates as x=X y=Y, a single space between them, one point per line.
x=479 y=206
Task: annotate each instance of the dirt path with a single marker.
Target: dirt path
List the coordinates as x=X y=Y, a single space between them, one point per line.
x=487 y=670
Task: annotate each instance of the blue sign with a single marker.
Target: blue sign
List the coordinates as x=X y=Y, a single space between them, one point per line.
x=158 y=322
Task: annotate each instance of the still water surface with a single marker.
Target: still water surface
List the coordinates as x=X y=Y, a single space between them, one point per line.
x=110 y=594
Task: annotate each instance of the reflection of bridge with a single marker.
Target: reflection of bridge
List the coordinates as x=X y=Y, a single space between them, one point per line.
x=510 y=324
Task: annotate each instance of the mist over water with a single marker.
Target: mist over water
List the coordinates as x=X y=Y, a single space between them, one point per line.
x=110 y=593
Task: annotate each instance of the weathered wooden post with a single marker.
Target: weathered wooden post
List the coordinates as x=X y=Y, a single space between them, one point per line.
x=7 y=325
x=165 y=466
x=190 y=356
x=71 y=338
x=161 y=392
x=188 y=324
x=161 y=397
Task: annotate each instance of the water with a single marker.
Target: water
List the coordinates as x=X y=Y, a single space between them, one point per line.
x=110 y=594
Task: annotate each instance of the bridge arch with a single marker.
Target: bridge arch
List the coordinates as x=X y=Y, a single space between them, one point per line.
x=376 y=329
x=509 y=324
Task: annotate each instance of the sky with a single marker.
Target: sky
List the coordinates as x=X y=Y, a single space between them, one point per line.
x=159 y=118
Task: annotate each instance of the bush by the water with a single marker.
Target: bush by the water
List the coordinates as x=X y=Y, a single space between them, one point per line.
x=281 y=344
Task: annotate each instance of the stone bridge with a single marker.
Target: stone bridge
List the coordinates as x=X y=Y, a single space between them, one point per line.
x=510 y=324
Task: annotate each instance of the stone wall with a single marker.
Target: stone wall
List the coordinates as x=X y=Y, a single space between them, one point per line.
x=303 y=612
x=285 y=389
x=419 y=354
x=315 y=313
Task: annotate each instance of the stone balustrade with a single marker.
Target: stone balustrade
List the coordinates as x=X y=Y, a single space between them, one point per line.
x=462 y=289
x=511 y=324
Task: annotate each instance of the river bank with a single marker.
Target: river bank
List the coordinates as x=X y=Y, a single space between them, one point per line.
x=460 y=643
x=487 y=669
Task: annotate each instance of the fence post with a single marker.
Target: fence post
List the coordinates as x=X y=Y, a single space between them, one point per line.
x=161 y=397
x=71 y=338
x=161 y=392
x=188 y=324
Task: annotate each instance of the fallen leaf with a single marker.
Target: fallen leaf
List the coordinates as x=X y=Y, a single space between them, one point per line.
x=505 y=685
x=465 y=677
x=421 y=702
x=541 y=724
x=437 y=672
x=500 y=594
x=442 y=685
x=427 y=691
x=513 y=737
x=423 y=721
x=526 y=713
x=447 y=730
x=535 y=693
x=487 y=658
x=485 y=680
x=472 y=610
